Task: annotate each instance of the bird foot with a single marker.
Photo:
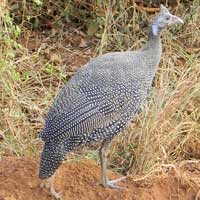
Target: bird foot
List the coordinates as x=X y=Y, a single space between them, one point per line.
x=56 y=195
x=52 y=192
x=111 y=184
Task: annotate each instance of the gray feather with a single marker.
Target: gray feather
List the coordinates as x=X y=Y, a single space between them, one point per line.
x=98 y=102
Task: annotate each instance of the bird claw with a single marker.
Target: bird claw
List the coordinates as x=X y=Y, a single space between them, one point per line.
x=52 y=192
x=118 y=179
x=111 y=184
x=56 y=195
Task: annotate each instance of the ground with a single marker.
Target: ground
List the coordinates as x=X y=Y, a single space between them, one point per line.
x=49 y=57
x=78 y=181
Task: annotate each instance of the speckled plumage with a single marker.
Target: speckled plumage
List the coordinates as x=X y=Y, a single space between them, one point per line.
x=98 y=102
x=101 y=98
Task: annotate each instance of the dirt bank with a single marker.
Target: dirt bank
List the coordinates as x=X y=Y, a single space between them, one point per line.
x=77 y=181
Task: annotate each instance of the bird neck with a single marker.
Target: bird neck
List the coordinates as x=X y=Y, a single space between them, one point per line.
x=153 y=49
x=154 y=42
x=154 y=30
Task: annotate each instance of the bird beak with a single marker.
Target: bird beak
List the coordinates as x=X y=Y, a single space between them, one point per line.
x=176 y=20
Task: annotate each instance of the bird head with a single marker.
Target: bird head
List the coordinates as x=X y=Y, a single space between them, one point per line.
x=163 y=20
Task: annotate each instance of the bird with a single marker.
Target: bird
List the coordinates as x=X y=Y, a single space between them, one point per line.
x=99 y=101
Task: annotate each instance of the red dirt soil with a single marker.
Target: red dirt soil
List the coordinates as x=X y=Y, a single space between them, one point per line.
x=77 y=181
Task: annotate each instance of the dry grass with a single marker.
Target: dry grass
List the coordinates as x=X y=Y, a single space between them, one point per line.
x=165 y=131
x=168 y=128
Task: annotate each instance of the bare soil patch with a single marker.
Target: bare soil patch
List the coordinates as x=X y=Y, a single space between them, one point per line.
x=77 y=181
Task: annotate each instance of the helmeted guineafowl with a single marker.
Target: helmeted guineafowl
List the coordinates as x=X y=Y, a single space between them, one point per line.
x=100 y=100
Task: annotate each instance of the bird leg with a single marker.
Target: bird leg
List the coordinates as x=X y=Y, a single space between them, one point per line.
x=103 y=160
x=49 y=185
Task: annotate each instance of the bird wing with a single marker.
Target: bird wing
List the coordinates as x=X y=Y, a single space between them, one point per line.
x=92 y=99
x=84 y=118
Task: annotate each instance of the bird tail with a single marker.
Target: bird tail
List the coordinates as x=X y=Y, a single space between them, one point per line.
x=51 y=158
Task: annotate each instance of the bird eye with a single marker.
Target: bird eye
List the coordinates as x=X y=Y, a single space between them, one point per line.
x=167 y=17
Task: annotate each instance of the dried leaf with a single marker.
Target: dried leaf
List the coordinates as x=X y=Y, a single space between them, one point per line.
x=55 y=58
x=92 y=28
x=148 y=9
x=83 y=43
